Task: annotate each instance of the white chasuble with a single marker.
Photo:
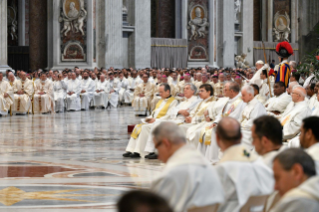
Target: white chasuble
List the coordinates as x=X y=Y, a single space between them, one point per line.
x=5 y=102
x=73 y=100
x=43 y=103
x=22 y=102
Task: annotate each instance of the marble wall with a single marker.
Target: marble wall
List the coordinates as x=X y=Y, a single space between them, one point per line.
x=38 y=34
x=3 y=36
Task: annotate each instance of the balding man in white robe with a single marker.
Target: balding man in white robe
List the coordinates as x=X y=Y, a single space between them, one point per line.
x=101 y=94
x=241 y=172
x=114 y=89
x=23 y=91
x=252 y=110
x=132 y=83
x=278 y=104
x=87 y=91
x=60 y=88
x=260 y=66
x=73 y=94
x=295 y=112
x=188 y=181
x=43 y=96
x=138 y=140
x=6 y=96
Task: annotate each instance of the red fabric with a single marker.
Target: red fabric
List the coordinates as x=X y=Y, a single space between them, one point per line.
x=271 y=72
x=130 y=128
x=317 y=57
x=286 y=46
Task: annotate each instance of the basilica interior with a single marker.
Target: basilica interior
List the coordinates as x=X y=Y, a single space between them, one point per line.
x=73 y=161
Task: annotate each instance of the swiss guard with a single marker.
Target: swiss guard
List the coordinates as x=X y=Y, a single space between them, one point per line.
x=282 y=71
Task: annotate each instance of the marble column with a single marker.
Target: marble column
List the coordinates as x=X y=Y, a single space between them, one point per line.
x=248 y=30
x=38 y=34
x=113 y=34
x=270 y=20
x=293 y=21
x=228 y=33
x=264 y=21
x=212 y=34
x=21 y=22
x=3 y=37
x=178 y=19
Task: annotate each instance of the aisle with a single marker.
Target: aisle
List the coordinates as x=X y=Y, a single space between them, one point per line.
x=69 y=161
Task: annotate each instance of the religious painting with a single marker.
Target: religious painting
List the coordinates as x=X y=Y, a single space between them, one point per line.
x=73 y=52
x=73 y=28
x=198 y=53
x=281 y=29
x=198 y=29
x=12 y=22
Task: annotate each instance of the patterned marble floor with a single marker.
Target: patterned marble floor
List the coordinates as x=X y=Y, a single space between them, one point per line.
x=70 y=161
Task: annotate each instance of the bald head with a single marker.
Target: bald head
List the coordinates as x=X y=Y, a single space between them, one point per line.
x=291 y=86
x=298 y=94
x=228 y=133
x=170 y=131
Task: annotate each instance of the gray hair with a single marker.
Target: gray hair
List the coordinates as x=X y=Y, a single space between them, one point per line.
x=300 y=90
x=193 y=87
x=171 y=131
x=249 y=89
x=293 y=64
x=234 y=86
x=290 y=157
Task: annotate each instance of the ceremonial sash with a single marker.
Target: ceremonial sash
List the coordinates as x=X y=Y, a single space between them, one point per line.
x=207 y=132
x=200 y=111
x=138 y=128
x=164 y=109
x=285 y=120
x=232 y=107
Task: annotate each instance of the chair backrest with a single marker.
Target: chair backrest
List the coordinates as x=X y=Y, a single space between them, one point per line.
x=256 y=202
x=210 y=208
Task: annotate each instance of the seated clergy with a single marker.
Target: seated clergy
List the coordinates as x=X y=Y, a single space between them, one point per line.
x=294 y=172
x=43 y=95
x=252 y=110
x=60 y=88
x=232 y=108
x=219 y=87
x=309 y=138
x=206 y=93
x=312 y=94
x=114 y=89
x=241 y=172
x=87 y=91
x=123 y=83
x=295 y=112
x=257 y=95
x=278 y=103
x=156 y=97
x=136 y=145
x=73 y=99
x=142 y=96
x=132 y=83
x=264 y=90
x=180 y=95
x=23 y=91
x=267 y=138
x=188 y=180
x=6 y=96
x=101 y=94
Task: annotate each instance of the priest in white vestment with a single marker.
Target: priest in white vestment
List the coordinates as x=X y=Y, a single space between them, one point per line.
x=295 y=112
x=123 y=83
x=264 y=90
x=309 y=138
x=87 y=91
x=253 y=109
x=114 y=89
x=188 y=181
x=73 y=94
x=23 y=91
x=6 y=96
x=180 y=95
x=137 y=142
x=142 y=96
x=232 y=108
x=43 y=96
x=241 y=172
x=60 y=88
x=278 y=104
x=312 y=94
x=101 y=94
x=132 y=83
x=267 y=138
x=296 y=182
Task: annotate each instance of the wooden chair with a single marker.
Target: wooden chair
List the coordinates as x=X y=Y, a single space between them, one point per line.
x=209 y=208
x=254 y=201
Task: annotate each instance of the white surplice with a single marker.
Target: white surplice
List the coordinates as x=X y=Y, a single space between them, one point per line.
x=123 y=84
x=43 y=103
x=5 y=103
x=292 y=118
x=269 y=156
x=131 y=86
x=138 y=145
x=22 y=102
x=74 y=100
x=101 y=99
x=88 y=86
x=242 y=174
x=253 y=110
x=264 y=90
x=114 y=85
x=188 y=181
x=312 y=102
x=60 y=88
x=313 y=151
x=279 y=103
x=304 y=198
